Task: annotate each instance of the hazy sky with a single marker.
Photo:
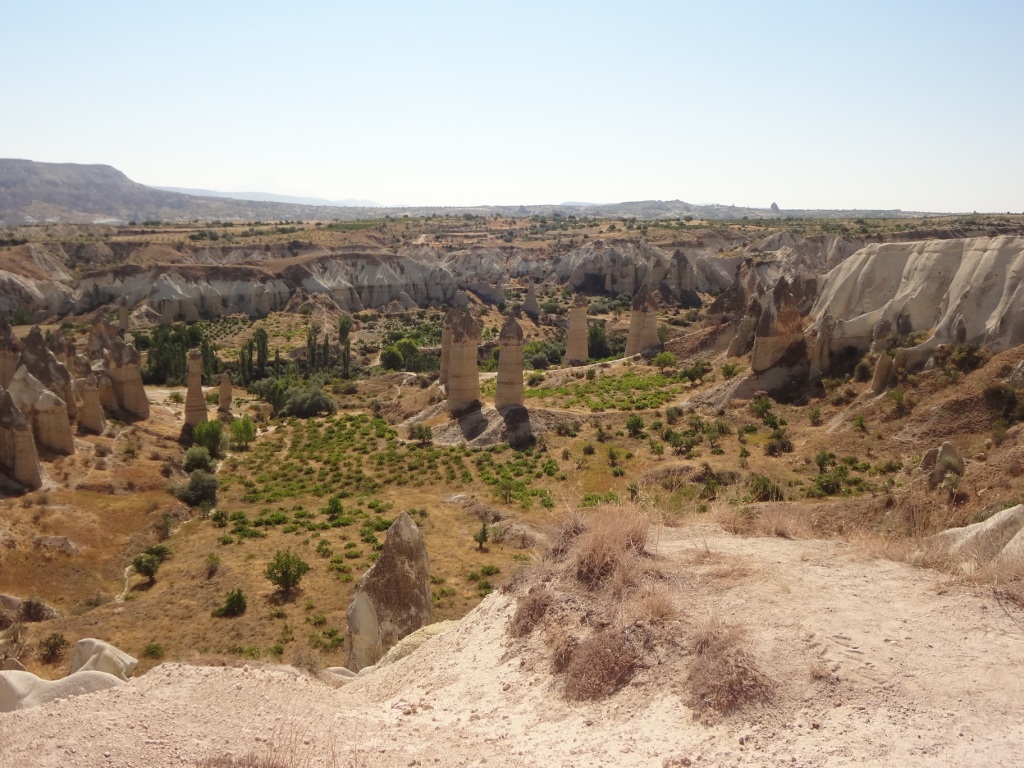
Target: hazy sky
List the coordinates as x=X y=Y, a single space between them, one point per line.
x=912 y=105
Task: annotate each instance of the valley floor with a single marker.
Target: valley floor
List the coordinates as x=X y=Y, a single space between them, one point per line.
x=874 y=663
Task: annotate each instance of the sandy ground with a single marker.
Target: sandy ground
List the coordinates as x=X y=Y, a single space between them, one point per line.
x=922 y=673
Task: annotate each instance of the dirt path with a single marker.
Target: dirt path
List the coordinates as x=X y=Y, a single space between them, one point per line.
x=919 y=673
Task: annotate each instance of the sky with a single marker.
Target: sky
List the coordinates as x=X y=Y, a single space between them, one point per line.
x=899 y=104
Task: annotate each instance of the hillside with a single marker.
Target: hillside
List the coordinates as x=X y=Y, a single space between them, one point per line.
x=34 y=193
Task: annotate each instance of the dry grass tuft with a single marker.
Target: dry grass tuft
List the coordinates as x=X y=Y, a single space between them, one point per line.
x=603 y=662
x=655 y=604
x=530 y=609
x=724 y=675
x=563 y=648
x=611 y=544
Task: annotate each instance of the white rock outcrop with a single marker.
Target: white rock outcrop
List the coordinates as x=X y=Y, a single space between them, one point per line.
x=48 y=413
x=21 y=690
x=392 y=599
x=90 y=653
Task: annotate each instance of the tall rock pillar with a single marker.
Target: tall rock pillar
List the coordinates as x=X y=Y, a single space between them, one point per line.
x=225 y=392
x=576 y=339
x=90 y=415
x=195 y=403
x=463 y=373
x=446 y=346
x=510 y=365
x=643 y=323
x=17 y=445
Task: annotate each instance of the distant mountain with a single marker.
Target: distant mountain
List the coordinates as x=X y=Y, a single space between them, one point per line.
x=34 y=193
x=273 y=197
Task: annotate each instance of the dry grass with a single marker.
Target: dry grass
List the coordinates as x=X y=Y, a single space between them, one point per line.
x=530 y=609
x=604 y=662
x=609 y=547
x=725 y=675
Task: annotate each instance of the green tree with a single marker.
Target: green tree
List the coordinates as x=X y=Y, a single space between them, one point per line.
x=663 y=360
x=261 y=341
x=422 y=433
x=146 y=565
x=209 y=435
x=234 y=605
x=597 y=342
x=392 y=359
x=201 y=488
x=243 y=431
x=481 y=536
x=197 y=457
x=286 y=570
x=635 y=425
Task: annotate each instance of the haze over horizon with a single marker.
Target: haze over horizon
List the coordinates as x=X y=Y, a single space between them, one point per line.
x=869 y=106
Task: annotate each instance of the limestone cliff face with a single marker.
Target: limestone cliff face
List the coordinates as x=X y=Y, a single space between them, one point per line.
x=778 y=335
x=969 y=290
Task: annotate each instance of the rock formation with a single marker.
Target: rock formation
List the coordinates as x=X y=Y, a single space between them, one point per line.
x=576 y=351
x=463 y=379
x=225 y=394
x=392 y=599
x=40 y=361
x=999 y=539
x=47 y=412
x=960 y=291
x=531 y=308
x=21 y=690
x=778 y=335
x=446 y=346
x=937 y=462
x=122 y=317
x=195 y=402
x=884 y=370
x=17 y=445
x=10 y=351
x=126 y=380
x=643 y=323
x=89 y=653
x=509 y=388
x=90 y=416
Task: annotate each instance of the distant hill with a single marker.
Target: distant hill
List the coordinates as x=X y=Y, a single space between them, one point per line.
x=273 y=197
x=33 y=193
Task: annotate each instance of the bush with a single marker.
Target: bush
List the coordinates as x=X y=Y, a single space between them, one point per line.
x=762 y=488
x=306 y=401
x=243 y=432
x=153 y=651
x=286 y=570
x=198 y=457
x=209 y=435
x=602 y=663
x=146 y=565
x=724 y=674
x=52 y=648
x=234 y=605
x=635 y=426
x=201 y=487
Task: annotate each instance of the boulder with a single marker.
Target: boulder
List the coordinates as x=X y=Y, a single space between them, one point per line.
x=92 y=654
x=884 y=370
x=1000 y=539
x=937 y=462
x=21 y=690
x=392 y=599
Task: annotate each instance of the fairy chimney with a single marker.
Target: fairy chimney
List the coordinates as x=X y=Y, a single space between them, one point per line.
x=643 y=323
x=125 y=373
x=576 y=340
x=10 y=351
x=17 y=445
x=510 y=365
x=446 y=346
x=195 y=403
x=463 y=374
x=122 y=316
x=40 y=361
x=47 y=412
x=224 y=404
x=90 y=415
x=530 y=305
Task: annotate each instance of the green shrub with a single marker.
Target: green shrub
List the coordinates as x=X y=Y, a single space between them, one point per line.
x=209 y=435
x=198 y=457
x=234 y=605
x=146 y=565
x=243 y=432
x=52 y=648
x=305 y=402
x=762 y=488
x=286 y=570
x=201 y=487
x=153 y=651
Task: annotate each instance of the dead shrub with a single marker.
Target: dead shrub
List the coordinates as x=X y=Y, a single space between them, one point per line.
x=530 y=609
x=655 y=604
x=603 y=662
x=611 y=544
x=724 y=675
x=565 y=535
x=563 y=648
